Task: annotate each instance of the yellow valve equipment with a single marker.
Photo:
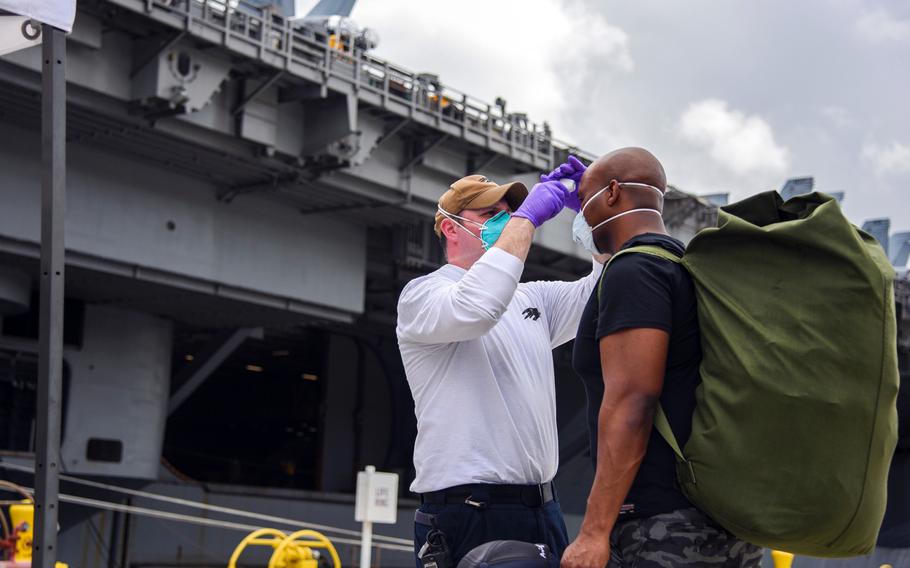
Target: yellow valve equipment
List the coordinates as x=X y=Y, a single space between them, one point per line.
x=291 y=551
x=22 y=518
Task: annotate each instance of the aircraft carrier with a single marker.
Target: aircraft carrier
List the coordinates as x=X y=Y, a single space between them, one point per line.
x=247 y=194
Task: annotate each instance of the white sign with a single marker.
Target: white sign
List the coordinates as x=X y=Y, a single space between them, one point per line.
x=377 y=496
x=376 y=502
x=58 y=13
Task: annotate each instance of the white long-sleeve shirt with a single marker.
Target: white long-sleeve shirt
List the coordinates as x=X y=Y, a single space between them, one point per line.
x=477 y=351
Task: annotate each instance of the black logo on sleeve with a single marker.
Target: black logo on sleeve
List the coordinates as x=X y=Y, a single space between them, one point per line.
x=532 y=313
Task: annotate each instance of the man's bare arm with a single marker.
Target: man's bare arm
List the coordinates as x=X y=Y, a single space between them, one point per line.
x=633 y=363
x=516 y=237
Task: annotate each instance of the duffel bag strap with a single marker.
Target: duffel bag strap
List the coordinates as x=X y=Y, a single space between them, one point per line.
x=646 y=249
x=684 y=467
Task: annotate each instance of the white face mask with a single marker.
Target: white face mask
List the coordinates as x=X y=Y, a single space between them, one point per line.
x=583 y=233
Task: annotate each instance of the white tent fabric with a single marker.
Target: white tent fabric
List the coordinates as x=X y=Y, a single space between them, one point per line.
x=58 y=13
x=11 y=36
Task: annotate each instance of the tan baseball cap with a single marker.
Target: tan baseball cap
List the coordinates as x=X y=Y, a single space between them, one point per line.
x=477 y=192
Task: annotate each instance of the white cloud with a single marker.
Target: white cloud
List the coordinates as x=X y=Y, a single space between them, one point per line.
x=879 y=26
x=742 y=144
x=531 y=53
x=889 y=159
x=838 y=116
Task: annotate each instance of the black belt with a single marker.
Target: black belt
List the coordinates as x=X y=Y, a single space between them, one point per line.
x=481 y=495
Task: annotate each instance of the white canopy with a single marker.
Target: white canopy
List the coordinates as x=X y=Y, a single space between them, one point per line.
x=58 y=13
x=11 y=37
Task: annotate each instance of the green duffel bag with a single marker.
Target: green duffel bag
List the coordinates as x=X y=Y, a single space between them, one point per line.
x=795 y=421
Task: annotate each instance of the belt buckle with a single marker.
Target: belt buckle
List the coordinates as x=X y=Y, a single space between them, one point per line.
x=469 y=500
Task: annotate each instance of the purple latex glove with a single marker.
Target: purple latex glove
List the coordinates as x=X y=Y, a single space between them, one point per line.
x=572 y=169
x=544 y=202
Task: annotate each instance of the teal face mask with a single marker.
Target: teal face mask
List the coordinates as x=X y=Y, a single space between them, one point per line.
x=492 y=229
x=489 y=231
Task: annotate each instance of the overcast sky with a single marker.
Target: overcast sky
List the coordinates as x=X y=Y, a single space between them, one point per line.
x=732 y=96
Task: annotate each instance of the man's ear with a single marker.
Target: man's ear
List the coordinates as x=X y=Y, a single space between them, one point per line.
x=449 y=230
x=613 y=192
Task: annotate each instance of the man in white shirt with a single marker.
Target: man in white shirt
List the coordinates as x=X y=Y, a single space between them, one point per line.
x=477 y=351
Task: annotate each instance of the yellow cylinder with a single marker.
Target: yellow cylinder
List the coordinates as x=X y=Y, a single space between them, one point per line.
x=781 y=559
x=23 y=517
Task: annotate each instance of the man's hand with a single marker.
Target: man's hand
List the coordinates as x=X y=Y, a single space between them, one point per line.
x=572 y=169
x=602 y=258
x=587 y=552
x=544 y=202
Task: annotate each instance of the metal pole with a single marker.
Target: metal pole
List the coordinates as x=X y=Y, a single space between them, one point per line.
x=366 y=535
x=50 y=356
x=366 y=544
x=125 y=548
x=116 y=520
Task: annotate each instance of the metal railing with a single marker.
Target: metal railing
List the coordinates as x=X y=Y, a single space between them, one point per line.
x=284 y=43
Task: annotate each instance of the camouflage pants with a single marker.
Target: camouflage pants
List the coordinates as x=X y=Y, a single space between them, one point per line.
x=685 y=537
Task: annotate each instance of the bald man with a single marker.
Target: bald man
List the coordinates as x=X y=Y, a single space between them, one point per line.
x=638 y=345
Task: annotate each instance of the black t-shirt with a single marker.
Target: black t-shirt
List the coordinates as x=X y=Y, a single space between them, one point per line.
x=644 y=291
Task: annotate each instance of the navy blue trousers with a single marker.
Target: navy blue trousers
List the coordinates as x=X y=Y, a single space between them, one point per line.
x=467 y=527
